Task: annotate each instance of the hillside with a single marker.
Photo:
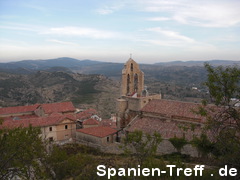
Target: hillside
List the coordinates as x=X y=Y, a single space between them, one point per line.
x=44 y=87
x=94 y=84
x=199 y=63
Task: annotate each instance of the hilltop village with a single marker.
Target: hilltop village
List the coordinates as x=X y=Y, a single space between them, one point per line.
x=137 y=109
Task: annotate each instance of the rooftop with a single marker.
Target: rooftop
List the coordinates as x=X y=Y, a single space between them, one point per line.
x=167 y=129
x=99 y=131
x=172 y=109
x=35 y=122
x=18 y=109
x=58 y=107
x=90 y=121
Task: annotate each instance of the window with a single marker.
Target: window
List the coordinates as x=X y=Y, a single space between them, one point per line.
x=107 y=139
x=128 y=84
x=131 y=67
x=135 y=82
x=66 y=126
x=50 y=128
x=51 y=139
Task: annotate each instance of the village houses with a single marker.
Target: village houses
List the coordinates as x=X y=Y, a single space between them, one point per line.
x=136 y=109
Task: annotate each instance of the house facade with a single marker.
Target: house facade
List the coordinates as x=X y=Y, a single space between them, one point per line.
x=56 y=120
x=101 y=136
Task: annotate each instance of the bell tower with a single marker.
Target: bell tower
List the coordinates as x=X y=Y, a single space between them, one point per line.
x=134 y=96
x=132 y=79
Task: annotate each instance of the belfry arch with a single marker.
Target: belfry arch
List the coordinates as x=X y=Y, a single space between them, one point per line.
x=132 y=79
x=128 y=84
x=135 y=82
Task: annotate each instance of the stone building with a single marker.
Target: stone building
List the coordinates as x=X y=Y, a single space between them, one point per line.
x=134 y=95
x=137 y=110
x=100 y=136
x=57 y=121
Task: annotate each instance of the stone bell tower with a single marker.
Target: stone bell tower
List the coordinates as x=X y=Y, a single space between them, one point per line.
x=133 y=94
x=132 y=79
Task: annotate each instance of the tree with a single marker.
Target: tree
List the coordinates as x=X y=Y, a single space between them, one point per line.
x=22 y=153
x=141 y=146
x=223 y=119
x=65 y=163
x=178 y=143
x=203 y=145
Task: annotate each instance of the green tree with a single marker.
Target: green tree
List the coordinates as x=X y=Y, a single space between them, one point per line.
x=178 y=143
x=141 y=146
x=223 y=119
x=66 y=164
x=203 y=145
x=22 y=153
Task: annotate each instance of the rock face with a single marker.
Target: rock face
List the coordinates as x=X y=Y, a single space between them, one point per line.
x=95 y=91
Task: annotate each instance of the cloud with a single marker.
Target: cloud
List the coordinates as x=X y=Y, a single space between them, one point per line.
x=62 y=42
x=205 y=13
x=110 y=9
x=82 y=32
x=159 y=19
x=172 y=35
x=20 y=27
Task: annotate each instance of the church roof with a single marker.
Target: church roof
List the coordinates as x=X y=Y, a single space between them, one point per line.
x=167 y=129
x=173 y=109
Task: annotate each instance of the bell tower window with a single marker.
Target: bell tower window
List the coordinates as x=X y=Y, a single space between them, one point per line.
x=135 y=82
x=131 y=66
x=128 y=84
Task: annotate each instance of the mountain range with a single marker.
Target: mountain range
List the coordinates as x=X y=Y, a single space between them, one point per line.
x=95 y=67
x=93 y=83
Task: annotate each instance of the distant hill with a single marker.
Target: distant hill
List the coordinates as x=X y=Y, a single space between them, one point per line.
x=90 y=66
x=199 y=63
x=45 y=64
x=181 y=72
x=96 y=91
x=87 y=82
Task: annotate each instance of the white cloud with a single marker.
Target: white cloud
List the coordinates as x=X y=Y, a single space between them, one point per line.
x=172 y=35
x=20 y=27
x=105 y=11
x=205 y=13
x=82 y=32
x=159 y=19
x=110 y=9
x=62 y=42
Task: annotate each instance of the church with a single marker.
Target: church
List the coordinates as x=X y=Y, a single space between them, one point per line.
x=137 y=109
x=134 y=95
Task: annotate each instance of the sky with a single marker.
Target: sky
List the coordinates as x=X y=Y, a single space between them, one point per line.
x=110 y=30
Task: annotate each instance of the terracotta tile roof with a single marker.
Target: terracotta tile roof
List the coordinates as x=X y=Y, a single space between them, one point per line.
x=58 y=107
x=172 y=109
x=99 y=131
x=35 y=122
x=21 y=117
x=18 y=109
x=86 y=114
x=90 y=121
x=108 y=123
x=167 y=129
